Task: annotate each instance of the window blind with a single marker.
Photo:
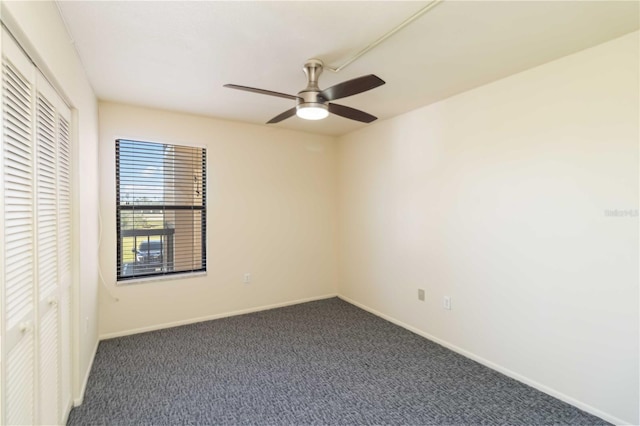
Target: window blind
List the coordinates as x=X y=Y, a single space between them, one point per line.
x=161 y=209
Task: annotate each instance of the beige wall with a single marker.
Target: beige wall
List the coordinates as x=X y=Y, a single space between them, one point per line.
x=40 y=30
x=271 y=212
x=497 y=198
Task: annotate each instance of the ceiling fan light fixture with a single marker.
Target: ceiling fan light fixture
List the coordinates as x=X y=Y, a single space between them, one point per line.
x=312 y=111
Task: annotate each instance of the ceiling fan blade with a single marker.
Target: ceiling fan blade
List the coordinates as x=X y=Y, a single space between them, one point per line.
x=351 y=113
x=261 y=91
x=352 y=87
x=278 y=118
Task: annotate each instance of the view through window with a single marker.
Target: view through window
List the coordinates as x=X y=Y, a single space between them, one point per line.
x=161 y=209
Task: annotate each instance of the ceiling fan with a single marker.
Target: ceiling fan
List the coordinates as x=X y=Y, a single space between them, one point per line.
x=315 y=104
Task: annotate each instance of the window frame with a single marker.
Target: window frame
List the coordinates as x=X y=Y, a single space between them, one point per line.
x=132 y=206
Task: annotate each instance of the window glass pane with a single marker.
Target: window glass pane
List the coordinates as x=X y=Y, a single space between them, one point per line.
x=161 y=215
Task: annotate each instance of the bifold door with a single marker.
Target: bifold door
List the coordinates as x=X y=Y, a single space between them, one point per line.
x=35 y=252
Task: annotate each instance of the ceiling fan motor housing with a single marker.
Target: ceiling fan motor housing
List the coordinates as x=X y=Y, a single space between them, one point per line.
x=310 y=100
x=310 y=96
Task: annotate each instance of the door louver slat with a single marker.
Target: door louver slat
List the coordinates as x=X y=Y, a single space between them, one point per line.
x=18 y=194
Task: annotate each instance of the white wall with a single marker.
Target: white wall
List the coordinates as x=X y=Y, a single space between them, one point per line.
x=497 y=198
x=271 y=212
x=39 y=28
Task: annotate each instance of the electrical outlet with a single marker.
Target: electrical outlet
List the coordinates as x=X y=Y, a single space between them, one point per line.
x=421 y=294
x=247 y=278
x=446 y=302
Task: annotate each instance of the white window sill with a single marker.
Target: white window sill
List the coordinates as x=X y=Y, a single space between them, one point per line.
x=156 y=278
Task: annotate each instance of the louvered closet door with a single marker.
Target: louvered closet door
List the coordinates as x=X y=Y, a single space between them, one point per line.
x=35 y=249
x=18 y=266
x=47 y=259
x=53 y=213
x=64 y=256
x=49 y=110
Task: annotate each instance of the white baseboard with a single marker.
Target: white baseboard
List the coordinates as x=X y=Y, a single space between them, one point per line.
x=67 y=411
x=78 y=401
x=212 y=317
x=539 y=386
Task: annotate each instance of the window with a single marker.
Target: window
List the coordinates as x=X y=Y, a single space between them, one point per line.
x=160 y=209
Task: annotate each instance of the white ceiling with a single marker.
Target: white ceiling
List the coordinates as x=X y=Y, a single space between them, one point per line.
x=177 y=55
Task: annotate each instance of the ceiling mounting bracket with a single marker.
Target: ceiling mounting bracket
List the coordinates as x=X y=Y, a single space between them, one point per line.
x=388 y=34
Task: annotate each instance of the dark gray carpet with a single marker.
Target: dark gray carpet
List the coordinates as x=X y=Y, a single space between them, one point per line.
x=324 y=362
